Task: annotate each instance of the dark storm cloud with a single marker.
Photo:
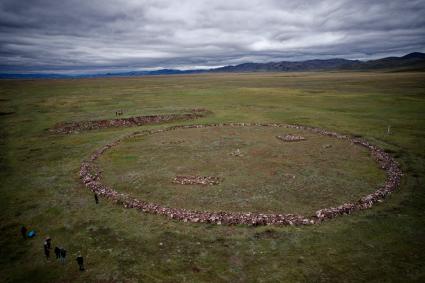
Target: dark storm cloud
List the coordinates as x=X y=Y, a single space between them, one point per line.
x=99 y=35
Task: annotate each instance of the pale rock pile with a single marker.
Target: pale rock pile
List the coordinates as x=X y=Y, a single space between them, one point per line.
x=196 y=180
x=237 y=153
x=290 y=138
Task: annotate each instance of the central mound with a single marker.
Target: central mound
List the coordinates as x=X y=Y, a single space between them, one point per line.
x=253 y=169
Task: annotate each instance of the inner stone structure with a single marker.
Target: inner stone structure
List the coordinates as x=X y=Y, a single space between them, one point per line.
x=196 y=180
x=290 y=138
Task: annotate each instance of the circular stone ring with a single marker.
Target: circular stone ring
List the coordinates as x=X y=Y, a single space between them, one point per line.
x=91 y=178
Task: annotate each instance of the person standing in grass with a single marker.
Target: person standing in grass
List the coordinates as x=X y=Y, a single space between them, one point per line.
x=62 y=255
x=96 y=198
x=46 y=250
x=57 y=252
x=80 y=261
x=49 y=242
x=24 y=232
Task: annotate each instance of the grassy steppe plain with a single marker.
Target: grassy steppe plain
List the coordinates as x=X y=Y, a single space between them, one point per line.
x=40 y=186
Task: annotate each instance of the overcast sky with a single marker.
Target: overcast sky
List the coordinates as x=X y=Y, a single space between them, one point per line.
x=100 y=35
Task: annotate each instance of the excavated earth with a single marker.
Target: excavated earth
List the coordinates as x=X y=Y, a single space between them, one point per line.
x=91 y=177
x=75 y=127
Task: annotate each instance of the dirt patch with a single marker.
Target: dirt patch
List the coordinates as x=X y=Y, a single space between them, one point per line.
x=75 y=127
x=91 y=177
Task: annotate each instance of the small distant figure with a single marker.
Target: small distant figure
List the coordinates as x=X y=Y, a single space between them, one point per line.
x=62 y=255
x=80 y=262
x=48 y=242
x=96 y=198
x=389 y=130
x=24 y=231
x=46 y=250
x=118 y=113
x=57 y=252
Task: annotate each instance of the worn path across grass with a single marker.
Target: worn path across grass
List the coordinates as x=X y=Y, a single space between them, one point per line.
x=40 y=186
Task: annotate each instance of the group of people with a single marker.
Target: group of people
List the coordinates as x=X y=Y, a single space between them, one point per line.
x=60 y=252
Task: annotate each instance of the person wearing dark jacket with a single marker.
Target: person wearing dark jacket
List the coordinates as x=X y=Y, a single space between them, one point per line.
x=62 y=255
x=46 y=250
x=80 y=262
x=96 y=198
x=57 y=252
x=24 y=232
x=49 y=242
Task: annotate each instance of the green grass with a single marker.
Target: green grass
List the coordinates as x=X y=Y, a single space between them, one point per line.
x=270 y=175
x=40 y=186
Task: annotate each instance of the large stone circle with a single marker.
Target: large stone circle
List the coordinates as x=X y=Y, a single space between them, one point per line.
x=91 y=177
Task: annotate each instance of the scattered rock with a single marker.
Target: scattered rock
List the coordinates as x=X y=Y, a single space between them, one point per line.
x=290 y=176
x=174 y=142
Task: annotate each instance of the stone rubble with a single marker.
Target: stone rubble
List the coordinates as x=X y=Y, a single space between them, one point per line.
x=91 y=178
x=75 y=127
x=290 y=138
x=237 y=153
x=196 y=180
x=173 y=142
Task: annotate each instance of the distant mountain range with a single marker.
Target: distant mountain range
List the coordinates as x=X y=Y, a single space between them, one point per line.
x=410 y=62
